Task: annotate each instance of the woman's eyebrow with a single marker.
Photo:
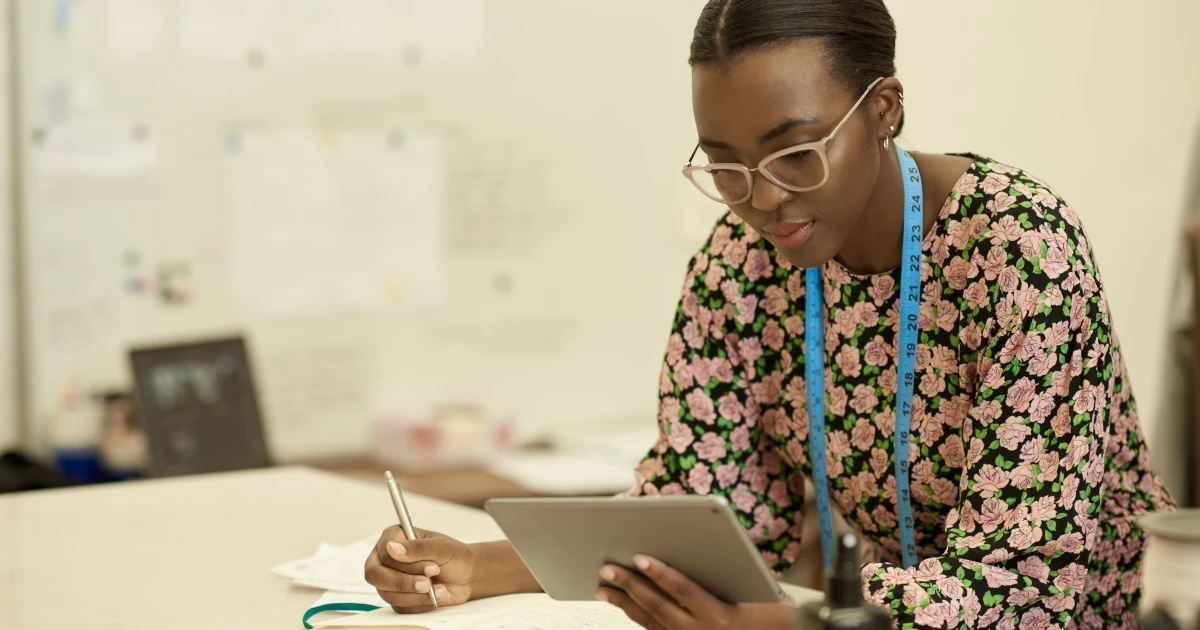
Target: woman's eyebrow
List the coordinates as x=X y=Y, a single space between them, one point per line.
x=775 y=132
x=786 y=125
x=713 y=144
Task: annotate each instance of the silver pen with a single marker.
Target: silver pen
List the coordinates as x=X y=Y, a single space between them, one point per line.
x=405 y=520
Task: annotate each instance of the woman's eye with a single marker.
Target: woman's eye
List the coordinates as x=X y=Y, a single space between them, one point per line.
x=797 y=157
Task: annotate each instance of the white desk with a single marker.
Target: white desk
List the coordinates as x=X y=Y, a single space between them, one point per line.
x=188 y=553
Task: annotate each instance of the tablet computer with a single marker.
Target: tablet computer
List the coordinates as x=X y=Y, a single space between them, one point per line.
x=565 y=542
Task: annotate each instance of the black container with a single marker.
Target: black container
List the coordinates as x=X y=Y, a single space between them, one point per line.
x=844 y=607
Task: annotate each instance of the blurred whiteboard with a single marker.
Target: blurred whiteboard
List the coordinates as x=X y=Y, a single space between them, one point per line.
x=401 y=203
x=363 y=231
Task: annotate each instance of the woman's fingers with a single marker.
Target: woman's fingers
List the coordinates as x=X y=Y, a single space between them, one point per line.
x=621 y=599
x=418 y=557
x=424 y=567
x=658 y=605
x=691 y=596
x=388 y=579
x=416 y=602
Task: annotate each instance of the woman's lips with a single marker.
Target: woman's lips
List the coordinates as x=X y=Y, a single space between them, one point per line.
x=791 y=234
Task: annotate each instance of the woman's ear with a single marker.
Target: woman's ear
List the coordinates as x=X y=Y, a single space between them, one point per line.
x=888 y=102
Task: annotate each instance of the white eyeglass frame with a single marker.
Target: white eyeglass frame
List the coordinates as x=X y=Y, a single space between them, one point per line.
x=817 y=146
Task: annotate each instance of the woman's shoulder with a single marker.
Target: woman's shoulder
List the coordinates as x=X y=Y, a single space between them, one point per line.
x=998 y=190
x=999 y=211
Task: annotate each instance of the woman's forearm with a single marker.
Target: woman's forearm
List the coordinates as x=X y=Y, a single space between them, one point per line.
x=500 y=571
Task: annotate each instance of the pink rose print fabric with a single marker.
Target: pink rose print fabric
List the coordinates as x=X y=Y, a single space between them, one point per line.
x=1028 y=461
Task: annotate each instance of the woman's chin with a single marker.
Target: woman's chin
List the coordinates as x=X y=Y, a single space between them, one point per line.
x=805 y=257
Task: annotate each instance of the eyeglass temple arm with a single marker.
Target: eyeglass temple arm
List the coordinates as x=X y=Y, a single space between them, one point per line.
x=693 y=155
x=853 y=109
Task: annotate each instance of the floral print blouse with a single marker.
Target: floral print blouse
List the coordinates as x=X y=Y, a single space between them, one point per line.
x=1027 y=458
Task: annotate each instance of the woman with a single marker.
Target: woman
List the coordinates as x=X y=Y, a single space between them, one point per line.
x=1027 y=462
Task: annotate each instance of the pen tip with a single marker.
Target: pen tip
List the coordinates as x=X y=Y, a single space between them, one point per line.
x=387 y=474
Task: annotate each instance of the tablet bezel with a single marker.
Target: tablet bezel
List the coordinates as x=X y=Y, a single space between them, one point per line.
x=565 y=542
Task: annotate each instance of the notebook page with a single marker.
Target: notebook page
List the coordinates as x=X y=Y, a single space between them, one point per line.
x=552 y=615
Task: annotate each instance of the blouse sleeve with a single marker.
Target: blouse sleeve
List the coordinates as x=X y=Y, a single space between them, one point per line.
x=1019 y=537
x=723 y=429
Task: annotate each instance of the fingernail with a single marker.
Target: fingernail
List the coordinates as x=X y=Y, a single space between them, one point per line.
x=396 y=550
x=421 y=586
x=642 y=562
x=601 y=596
x=607 y=573
x=440 y=592
x=432 y=570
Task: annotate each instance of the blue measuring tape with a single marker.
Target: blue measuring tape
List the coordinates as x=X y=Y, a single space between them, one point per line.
x=814 y=364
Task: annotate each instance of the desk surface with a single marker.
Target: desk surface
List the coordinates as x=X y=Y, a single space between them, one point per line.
x=470 y=486
x=188 y=553
x=191 y=552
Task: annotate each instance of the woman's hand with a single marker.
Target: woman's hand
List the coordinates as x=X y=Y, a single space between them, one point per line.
x=662 y=598
x=402 y=570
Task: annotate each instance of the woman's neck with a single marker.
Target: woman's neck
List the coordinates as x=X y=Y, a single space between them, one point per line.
x=875 y=245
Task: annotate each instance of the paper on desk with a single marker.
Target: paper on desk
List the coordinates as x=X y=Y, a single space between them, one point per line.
x=336 y=567
x=332 y=568
x=294 y=568
x=511 y=612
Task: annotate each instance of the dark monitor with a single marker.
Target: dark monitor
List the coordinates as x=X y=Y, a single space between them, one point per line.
x=199 y=408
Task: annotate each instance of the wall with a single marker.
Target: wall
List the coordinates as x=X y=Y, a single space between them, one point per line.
x=1092 y=96
x=9 y=430
x=1097 y=99
x=391 y=228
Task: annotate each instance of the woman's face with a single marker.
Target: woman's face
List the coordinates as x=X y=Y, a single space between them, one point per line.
x=775 y=98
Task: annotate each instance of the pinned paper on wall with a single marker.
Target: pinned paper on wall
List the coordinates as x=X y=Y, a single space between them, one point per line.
x=74 y=23
x=76 y=305
x=61 y=100
x=325 y=220
x=453 y=31
x=167 y=280
x=244 y=30
x=318 y=392
x=497 y=202
x=136 y=29
x=264 y=31
x=75 y=325
x=95 y=148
